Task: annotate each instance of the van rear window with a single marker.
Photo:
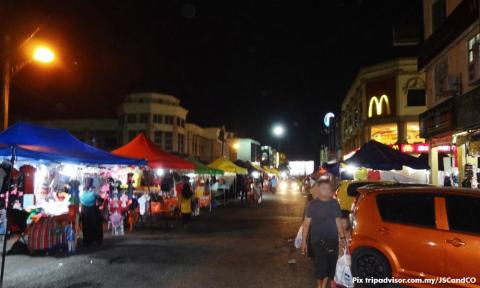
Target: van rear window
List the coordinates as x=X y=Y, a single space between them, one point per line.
x=407 y=208
x=463 y=213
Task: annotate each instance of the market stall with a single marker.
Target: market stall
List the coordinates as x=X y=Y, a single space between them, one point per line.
x=377 y=161
x=202 y=180
x=46 y=174
x=228 y=180
x=160 y=194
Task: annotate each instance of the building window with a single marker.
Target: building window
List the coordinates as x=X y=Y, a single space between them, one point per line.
x=181 y=143
x=178 y=121
x=157 y=118
x=439 y=13
x=158 y=138
x=168 y=141
x=440 y=78
x=474 y=58
x=416 y=97
x=413 y=133
x=182 y=123
x=144 y=118
x=132 y=118
x=169 y=120
x=385 y=133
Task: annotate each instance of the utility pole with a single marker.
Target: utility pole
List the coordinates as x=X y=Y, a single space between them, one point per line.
x=6 y=81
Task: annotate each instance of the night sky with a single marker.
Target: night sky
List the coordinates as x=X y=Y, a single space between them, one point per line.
x=245 y=64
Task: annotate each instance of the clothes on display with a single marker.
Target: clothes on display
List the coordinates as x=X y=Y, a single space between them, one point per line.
x=143 y=202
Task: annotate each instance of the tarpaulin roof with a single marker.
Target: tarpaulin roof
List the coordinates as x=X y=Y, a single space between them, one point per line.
x=378 y=156
x=37 y=142
x=271 y=170
x=247 y=165
x=142 y=147
x=226 y=165
x=201 y=168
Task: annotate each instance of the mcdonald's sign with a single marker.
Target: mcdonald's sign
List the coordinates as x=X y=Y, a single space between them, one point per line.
x=376 y=104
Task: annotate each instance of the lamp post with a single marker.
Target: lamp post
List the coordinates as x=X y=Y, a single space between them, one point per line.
x=278 y=132
x=41 y=54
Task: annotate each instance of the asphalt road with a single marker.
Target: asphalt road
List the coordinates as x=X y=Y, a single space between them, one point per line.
x=234 y=246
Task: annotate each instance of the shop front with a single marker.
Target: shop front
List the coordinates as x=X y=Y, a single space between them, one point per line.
x=437 y=125
x=467 y=138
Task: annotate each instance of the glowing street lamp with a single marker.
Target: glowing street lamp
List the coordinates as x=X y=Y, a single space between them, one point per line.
x=278 y=131
x=41 y=54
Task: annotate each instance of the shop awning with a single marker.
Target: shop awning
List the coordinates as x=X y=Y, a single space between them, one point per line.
x=201 y=168
x=57 y=145
x=378 y=156
x=228 y=166
x=142 y=147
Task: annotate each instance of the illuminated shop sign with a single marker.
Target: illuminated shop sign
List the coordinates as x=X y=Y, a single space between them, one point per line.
x=411 y=148
x=421 y=148
x=377 y=104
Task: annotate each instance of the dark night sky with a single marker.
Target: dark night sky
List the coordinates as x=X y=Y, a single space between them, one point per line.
x=247 y=64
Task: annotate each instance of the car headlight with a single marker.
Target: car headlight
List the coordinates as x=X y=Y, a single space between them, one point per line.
x=283 y=185
x=295 y=186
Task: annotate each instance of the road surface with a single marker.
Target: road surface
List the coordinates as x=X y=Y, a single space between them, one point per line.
x=234 y=246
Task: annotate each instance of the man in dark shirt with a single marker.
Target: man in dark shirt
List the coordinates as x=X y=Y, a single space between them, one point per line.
x=323 y=217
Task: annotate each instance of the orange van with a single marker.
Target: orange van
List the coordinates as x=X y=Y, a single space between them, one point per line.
x=417 y=233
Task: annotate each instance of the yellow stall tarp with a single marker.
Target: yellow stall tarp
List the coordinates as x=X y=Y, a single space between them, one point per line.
x=228 y=166
x=272 y=171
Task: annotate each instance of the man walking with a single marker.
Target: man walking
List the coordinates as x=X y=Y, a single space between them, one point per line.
x=323 y=217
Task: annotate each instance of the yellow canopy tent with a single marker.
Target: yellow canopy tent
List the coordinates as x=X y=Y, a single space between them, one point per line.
x=273 y=171
x=228 y=166
x=258 y=167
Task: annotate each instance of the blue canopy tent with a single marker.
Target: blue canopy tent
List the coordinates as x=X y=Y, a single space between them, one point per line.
x=378 y=156
x=56 y=145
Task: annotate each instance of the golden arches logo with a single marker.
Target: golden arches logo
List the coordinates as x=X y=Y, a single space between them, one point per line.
x=377 y=103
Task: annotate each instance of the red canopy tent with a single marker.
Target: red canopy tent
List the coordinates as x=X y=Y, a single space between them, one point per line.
x=141 y=147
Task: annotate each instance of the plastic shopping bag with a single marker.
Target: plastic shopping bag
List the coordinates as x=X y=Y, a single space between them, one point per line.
x=343 y=274
x=299 y=238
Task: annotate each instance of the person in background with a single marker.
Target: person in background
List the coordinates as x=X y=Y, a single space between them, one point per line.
x=347 y=227
x=185 y=193
x=323 y=217
x=258 y=192
x=274 y=184
x=91 y=217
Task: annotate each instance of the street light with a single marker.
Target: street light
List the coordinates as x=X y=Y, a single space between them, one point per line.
x=41 y=54
x=278 y=131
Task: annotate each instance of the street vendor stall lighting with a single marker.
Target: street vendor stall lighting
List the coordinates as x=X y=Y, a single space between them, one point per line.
x=160 y=172
x=236 y=145
x=351 y=169
x=255 y=174
x=69 y=170
x=283 y=174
